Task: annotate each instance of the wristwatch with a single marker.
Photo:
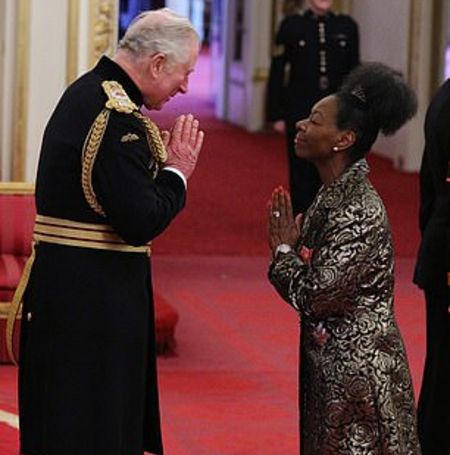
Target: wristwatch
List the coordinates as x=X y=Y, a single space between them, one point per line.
x=283 y=248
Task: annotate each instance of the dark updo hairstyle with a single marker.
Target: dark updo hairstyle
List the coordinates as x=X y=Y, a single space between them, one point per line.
x=373 y=98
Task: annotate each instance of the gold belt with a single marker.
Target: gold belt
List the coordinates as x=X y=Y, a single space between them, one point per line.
x=69 y=233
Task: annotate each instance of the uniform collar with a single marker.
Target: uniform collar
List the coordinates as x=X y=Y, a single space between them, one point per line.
x=310 y=13
x=110 y=70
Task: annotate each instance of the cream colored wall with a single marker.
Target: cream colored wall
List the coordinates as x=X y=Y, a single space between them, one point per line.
x=34 y=75
x=7 y=66
x=47 y=65
x=386 y=31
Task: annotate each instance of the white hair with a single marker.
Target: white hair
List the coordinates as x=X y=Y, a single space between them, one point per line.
x=160 y=30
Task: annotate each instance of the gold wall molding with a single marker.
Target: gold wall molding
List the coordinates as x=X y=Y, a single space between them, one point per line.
x=414 y=40
x=21 y=91
x=437 y=50
x=16 y=188
x=103 y=29
x=343 y=6
x=73 y=22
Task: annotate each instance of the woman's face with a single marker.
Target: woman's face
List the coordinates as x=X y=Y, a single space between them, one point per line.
x=318 y=134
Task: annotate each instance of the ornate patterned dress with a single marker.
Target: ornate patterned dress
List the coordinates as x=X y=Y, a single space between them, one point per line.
x=356 y=390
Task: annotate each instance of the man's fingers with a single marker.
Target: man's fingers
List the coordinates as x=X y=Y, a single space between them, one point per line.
x=198 y=145
x=178 y=127
x=187 y=128
x=194 y=132
x=165 y=136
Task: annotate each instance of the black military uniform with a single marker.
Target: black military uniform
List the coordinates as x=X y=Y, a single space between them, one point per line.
x=312 y=55
x=87 y=357
x=432 y=275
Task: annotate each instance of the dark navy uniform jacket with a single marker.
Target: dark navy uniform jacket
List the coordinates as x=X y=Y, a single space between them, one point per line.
x=87 y=357
x=312 y=55
x=433 y=262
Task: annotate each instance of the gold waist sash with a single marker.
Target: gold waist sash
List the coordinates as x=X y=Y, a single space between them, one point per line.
x=69 y=233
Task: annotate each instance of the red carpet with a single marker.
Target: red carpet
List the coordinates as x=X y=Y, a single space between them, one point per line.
x=232 y=388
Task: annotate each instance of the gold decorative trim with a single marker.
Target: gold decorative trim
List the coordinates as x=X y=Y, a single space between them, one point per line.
x=90 y=150
x=21 y=91
x=343 y=6
x=260 y=75
x=16 y=188
x=4 y=309
x=154 y=139
x=103 y=29
x=437 y=49
x=73 y=21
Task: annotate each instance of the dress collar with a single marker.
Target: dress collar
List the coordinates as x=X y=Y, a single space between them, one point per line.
x=329 y=195
x=110 y=70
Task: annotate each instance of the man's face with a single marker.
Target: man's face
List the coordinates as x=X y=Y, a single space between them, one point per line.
x=321 y=6
x=168 y=82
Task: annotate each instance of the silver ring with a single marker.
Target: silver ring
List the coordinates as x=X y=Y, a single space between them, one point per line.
x=276 y=214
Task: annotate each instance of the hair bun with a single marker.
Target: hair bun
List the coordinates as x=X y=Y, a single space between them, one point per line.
x=388 y=99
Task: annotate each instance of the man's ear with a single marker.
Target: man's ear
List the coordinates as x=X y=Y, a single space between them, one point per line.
x=346 y=140
x=156 y=63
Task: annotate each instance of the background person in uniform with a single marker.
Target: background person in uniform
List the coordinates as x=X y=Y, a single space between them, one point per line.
x=432 y=274
x=88 y=380
x=337 y=271
x=314 y=51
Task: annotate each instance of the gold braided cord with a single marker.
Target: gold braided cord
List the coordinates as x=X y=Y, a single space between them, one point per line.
x=90 y=150
x=16 y=305
x=154 y=139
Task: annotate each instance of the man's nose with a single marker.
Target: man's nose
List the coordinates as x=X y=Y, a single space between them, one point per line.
x=184 y=87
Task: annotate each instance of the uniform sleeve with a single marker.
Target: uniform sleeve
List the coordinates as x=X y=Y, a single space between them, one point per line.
x=354 y=45
x=447 y=196
x=427 y=193
x=276 y=85
x=328 y=286
x=137 y=206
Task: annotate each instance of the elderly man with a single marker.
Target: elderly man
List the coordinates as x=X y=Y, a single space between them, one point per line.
x=314 y=50
x=107 y=185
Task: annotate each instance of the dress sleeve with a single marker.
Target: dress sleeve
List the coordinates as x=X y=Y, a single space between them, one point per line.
x=328 y=285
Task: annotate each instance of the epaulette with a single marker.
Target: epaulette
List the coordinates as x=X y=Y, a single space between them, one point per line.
x=118 y=99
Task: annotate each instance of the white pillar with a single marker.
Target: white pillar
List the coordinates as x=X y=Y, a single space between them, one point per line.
x=399 y=34
x=46 y=44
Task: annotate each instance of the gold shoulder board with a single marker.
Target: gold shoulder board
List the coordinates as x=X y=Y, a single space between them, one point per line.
x=118 y=100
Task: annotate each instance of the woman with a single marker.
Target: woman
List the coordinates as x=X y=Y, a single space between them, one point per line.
x=335 y=267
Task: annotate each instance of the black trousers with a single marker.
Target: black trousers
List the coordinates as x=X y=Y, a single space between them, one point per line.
x=434 y=400
x=304 y=180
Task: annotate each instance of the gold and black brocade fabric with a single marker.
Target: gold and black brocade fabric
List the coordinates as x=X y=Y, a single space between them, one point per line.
x=356 y=389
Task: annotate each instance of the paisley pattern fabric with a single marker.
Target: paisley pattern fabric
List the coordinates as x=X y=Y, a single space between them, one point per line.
x=356 y=390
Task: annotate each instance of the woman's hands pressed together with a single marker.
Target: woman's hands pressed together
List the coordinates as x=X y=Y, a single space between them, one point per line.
x=282 y=227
